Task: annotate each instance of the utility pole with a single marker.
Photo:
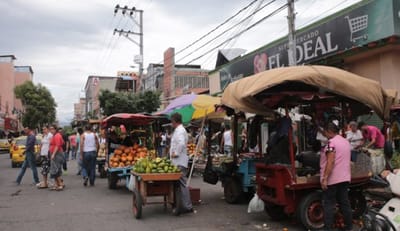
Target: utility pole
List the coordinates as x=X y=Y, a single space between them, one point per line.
x=138 y=59
x=292 y=38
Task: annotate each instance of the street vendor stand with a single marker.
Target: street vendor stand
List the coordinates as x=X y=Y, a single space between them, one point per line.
x=134 y=123
x=283 y=191
x=165 y=185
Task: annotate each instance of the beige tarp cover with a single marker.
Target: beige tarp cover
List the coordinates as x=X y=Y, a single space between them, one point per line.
x=240 y=95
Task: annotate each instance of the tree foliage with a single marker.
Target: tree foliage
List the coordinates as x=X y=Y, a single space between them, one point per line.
x=39 y=104
x=125 y=102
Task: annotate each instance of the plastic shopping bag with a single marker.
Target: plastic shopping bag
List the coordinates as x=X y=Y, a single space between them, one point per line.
x=131 y=183
x=255 y=205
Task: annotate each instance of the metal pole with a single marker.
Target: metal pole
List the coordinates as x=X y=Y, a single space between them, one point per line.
x=292 y=37
x=141 y=49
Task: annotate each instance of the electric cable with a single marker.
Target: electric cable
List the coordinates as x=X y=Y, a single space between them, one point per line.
x=248 y=28
x=230 y=28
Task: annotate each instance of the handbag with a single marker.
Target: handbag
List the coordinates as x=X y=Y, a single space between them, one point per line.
x=209 y=175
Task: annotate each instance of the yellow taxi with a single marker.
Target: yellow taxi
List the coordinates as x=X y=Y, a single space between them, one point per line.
x=18 y=150
x=4 y=145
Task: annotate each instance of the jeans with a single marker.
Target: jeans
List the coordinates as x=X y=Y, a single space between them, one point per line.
x=160 y=151
x=89 y=166
x=228 y=150
x=73 y=152
x=31 y=162
x=354 y=154
x=66 y=158
x=337 y=193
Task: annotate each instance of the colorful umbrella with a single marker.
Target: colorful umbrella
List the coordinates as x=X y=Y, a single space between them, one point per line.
x=192 y=106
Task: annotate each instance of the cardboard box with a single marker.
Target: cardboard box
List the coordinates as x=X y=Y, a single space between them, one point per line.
x=195 y=195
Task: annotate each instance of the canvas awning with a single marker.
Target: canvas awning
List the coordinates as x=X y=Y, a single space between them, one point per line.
x=267 y=90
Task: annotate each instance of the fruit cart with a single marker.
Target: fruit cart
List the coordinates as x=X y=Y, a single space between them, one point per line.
x=163 y=185
x=120 y=162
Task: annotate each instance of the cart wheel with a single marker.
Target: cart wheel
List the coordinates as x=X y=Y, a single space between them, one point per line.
x=275 y=212
x=310 y=211
x=232 y=191
x=176 y=210
x=112 y=180
x=103 y=172
x=137 y=204
x=358 y=203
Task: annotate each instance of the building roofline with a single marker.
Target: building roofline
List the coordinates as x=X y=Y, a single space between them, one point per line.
x=12 y=56
x=100 y=77
x=30 y=68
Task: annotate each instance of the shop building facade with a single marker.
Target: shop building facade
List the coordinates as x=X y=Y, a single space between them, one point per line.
x=363 y=39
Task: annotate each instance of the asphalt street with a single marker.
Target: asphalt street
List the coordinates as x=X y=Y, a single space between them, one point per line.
x=24 y=207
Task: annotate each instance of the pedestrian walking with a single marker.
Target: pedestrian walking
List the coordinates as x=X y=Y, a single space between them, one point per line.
x=73 y=145
x=179 y=158
x=65 y=148
x=78 y=150
x=30 y=160
x=56 y=158
x=89 y=146
x=335 y=177
x=44 y=157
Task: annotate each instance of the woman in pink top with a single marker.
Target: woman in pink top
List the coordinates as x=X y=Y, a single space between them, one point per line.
x=335 y=177
x=372 y=135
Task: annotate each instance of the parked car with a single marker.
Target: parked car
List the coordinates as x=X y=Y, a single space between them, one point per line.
x=18 y=150
x=4 y=145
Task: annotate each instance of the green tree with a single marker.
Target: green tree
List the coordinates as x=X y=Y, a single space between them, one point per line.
x=39 y=104
x=125 y=102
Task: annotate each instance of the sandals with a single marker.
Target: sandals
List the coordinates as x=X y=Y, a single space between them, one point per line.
x=41 y=185
x=57 y=188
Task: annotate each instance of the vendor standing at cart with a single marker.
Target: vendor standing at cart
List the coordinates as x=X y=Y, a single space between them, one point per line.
x=125 y=138
x=335 y=177
x=179 y=158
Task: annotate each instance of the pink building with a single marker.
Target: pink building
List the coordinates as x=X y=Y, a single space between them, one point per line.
x=10 y=107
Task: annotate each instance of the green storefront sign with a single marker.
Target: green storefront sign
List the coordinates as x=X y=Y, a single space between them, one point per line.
x=357 y=25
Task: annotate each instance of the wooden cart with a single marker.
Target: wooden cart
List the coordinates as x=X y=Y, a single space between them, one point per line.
x=155 y=184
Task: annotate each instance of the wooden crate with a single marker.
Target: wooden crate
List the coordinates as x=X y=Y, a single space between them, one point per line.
x=195 y=195
x=158 y=176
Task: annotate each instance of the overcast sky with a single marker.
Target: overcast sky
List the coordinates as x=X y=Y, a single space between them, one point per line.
x=65 y=41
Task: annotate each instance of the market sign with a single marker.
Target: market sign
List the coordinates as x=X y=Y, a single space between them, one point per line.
x=358 y=25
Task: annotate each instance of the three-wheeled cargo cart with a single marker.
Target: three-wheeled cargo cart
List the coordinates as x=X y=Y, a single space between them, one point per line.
x=321 y=92
x=165 y=185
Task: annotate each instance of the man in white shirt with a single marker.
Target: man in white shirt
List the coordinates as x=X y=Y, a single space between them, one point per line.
x=179 y=158
x=355 y=137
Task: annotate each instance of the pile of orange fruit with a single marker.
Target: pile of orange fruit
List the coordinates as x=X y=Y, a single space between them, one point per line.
x=127 y=156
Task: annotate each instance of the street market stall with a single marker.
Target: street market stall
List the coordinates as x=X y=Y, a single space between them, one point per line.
x=322 y=89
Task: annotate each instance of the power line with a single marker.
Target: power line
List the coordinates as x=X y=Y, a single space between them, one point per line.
x=240 y=33
x=230 y=28
x=217 y=27
x=239 y=28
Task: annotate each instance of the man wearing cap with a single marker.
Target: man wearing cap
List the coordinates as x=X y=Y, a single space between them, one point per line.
x=355 y=137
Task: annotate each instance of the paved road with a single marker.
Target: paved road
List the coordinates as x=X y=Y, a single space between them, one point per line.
x=97 y=208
